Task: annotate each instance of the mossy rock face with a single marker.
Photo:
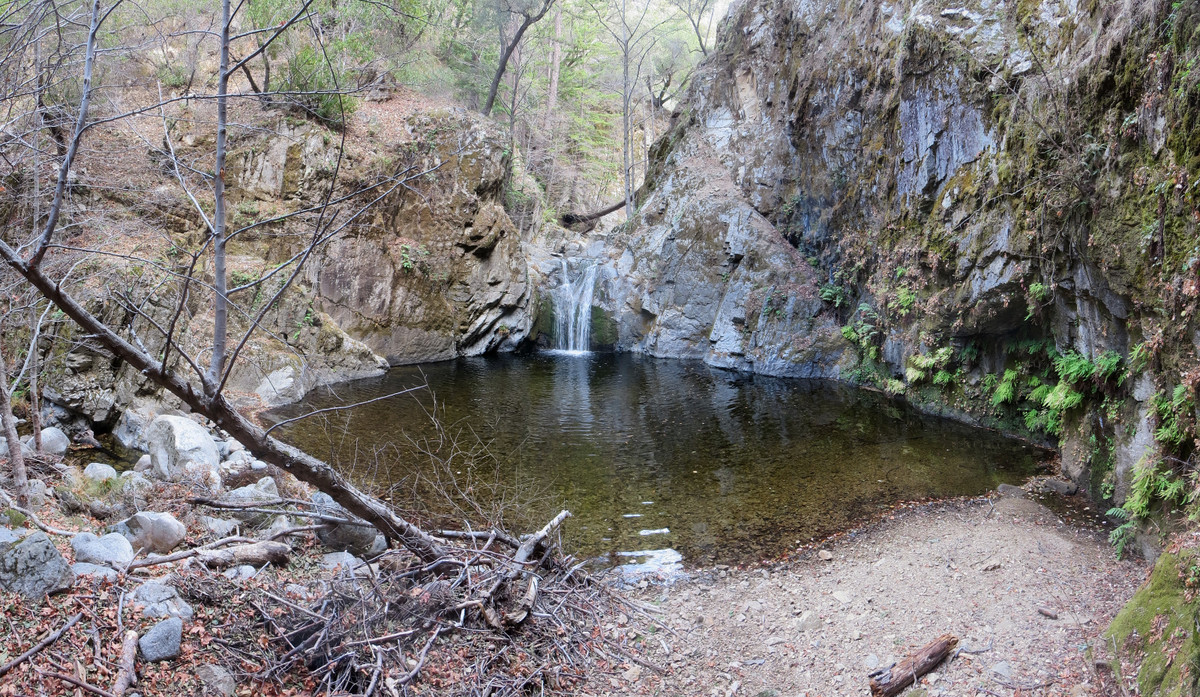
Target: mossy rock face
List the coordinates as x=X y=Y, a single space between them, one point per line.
x=543 y=321
x=1159 y=628
x=604 y=330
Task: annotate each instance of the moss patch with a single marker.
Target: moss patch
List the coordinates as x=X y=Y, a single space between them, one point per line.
x=1159 y=627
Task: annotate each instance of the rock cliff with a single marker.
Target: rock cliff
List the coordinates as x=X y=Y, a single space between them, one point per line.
x=986 y=206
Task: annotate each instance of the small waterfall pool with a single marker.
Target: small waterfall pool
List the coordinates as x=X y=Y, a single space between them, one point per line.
x=662 y=462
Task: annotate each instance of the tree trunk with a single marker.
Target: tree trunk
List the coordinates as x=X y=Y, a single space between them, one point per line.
x=16 y=459
x=506 y=53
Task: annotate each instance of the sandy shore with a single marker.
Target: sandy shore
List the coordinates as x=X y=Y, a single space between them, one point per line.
x=820 y=624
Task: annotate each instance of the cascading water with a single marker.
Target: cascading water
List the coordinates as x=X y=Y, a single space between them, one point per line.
x=573 y=310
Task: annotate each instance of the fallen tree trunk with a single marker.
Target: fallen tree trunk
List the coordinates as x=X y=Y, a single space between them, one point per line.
x=255 y=554
x=569 y=219
x=891 y=681
x=221 y=412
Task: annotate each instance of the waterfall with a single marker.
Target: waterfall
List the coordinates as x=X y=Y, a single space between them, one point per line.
x=573 y=310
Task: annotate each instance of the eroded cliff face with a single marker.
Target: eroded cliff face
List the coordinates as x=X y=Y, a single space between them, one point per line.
x=943 y=199
x=417 y=260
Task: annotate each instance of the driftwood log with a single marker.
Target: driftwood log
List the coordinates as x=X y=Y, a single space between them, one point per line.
x=892 y=680
x=255 y=554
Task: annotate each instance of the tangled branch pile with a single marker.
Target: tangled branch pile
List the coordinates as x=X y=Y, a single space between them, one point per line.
x=494 y=616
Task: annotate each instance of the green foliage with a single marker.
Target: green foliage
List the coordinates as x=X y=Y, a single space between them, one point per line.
x=412 y=258
x=1039 y=292
x=905 y=299
x=1005 y=389
x=1123 y=534
x=864 y=332
x=835 y=295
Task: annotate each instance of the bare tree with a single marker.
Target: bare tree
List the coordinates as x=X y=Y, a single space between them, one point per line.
x=699 y=14
x=634 y=32
x=519 y=16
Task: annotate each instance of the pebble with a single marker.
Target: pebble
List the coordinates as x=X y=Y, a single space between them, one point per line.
x=825 y=555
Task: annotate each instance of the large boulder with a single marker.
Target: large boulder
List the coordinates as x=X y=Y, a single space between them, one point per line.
x=158 y=533
x=181 y=448
x=356 y=539
x=162 y=641
x=34 y=567
x=112 y=550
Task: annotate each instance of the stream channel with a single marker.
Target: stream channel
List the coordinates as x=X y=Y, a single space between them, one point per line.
x=663 y=463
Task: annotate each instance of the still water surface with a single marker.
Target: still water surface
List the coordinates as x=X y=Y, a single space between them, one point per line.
x=665 y=461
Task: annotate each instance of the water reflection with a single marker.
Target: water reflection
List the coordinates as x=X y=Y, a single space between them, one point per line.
x=720 y=466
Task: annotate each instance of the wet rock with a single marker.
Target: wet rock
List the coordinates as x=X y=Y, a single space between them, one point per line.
x=160 y=600
x=1060 y=487
x=158 y=533
x=356 y=539
x=110 y=550
x=99 y=472
x=181 y=448
x=162 y=641
x=217 y=681
x=34 y=567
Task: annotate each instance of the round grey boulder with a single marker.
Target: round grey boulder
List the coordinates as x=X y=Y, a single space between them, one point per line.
x=55 y=442
x=181 y=448
x=158 y=533
x=262 y=490
x=99 y=472
x=112 y=550
x=162 y=641
x=160 y=600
